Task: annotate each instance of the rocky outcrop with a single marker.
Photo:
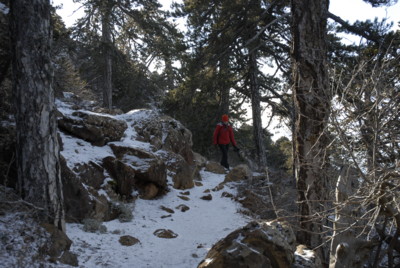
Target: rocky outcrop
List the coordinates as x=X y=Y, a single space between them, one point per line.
x=149 y=169
x=199 y=160
x=166 y=133
x=128 y=171
x=91 y=174
x=258 y=244
x=122 y=174
x=94 y=128
x=214 y=167
x=82 y=201
x=239 y=173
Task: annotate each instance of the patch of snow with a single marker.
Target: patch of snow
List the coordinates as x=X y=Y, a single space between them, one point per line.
x=4 y=9
x=77 y=151
x=205 y=223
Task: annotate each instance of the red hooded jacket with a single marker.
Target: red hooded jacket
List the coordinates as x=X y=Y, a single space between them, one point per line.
x=223 y=134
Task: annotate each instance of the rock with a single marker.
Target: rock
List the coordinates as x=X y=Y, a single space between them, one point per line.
x=184 y=197
x=150 y=191
x=69 y=258
x=166 y=133
x=148 y=167
x=83 y=201
x=122 y=174
x=199 y=160
x=127 y=240
x=206 y=197
x=167 y=209
x=214 y=167
x=91 y=174
x=258 y=244
x=228 y=195
x=238 y=173
x=94 y=128
x=184 y=177
x=198 y=184
x=165 y=233
x=307 y=258
x=59 y=241
x=183 y=208
x=218 y=187
x=183 y=174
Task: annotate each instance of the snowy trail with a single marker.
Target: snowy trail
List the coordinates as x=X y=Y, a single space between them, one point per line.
x=198 y=228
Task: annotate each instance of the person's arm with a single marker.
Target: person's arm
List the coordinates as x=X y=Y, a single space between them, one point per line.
x=232 y=137
x=215 y=136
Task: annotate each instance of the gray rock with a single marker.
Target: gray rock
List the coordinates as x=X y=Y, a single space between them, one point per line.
x=94 y=128
x=258 y=244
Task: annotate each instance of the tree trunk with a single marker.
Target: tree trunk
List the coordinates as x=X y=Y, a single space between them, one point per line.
x=106 y=38
x=256 y=111
x=224 y=85
x=38 y=165
x=312 y=103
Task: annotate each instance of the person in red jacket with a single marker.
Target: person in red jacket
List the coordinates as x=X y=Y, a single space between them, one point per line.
x=223 y=136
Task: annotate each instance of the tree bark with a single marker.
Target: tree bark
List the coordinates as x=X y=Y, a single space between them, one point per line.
x=224 y=85
x=37 y=153
x=256 y=111
x=312 y=106
x=106 y=39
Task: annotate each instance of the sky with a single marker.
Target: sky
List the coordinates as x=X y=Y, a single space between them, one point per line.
x=349 y=10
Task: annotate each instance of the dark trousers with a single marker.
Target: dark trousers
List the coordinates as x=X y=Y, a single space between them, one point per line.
x=224 y=150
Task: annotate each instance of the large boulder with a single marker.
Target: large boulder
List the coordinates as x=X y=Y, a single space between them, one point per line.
x=91 y=174
x=166 y=133
x=82 y=201
x=148 y=169
x=199 y=160
x=257 y=245
x=183 y=174
x=184 y=177
x=214 y=167
x=239 y=173
x=122 y=174
x=94 y=128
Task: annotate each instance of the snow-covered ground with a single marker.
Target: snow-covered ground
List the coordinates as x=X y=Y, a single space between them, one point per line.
x=198 y=229
x=204 y=224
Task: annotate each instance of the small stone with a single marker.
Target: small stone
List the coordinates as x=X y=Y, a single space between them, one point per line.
x=219 y=187
x=184 y=197
x=165 y=233
x=198 y=184
x=128 y=240
x=167 y=209
x=226 y=194
x=207 y=197
x=183 y=208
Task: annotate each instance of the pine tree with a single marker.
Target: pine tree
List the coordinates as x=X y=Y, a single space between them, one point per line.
x=37 y=145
